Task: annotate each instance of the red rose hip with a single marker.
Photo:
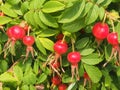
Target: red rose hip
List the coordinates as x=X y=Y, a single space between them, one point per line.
x=74 y=57
x=112 y=38
x=100 y=30
x=60 y=47
x=62 y=87
x=28 y=40
x=56 y=80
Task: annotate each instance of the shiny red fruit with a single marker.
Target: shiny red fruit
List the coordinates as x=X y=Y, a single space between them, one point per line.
x=28 y=40
x=56 y=80
x=74 y=57
x=15 y=32
x=60 y=47
x=100 y=30
x=86 y=76
x=112 y=38
x=62 y=87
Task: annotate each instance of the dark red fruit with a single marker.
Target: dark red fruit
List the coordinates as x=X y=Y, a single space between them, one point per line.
x=59 y=36
x=62 y=87
x=86 y=76
x=60 y=47
x=15 y=32
x=26 y=28
x=100 y=30
x=74 y=57
x=56 y=80
x=112 y=38
x=56 y=64
x=28 y=40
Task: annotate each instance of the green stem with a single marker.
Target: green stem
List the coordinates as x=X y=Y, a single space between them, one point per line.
x=104 y=18
x=113 y=28
x=73 y=47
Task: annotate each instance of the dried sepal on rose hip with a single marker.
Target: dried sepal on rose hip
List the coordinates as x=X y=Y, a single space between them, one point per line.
x=112 y=39
x=14 y=34
x=74 y=58
x=87 y=79
x=100 y=31
x=60 y=47
x=29 y=41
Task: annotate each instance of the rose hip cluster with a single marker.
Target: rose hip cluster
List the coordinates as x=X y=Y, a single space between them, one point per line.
x=101 y=32
x=56 y=80
x=16 y=33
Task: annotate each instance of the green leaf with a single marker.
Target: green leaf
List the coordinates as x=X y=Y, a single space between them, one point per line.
x=18 y=72
x=32 y=87
x=46 y=70
x=105 y=3
x=76 y=10
x=3 y=65
x=36 y=67
x=42 y=78
x=36 y=4
x=47 y=43
x=13 y=2
x=108 y=49
x=29 y=78
x=40 y=46
x=82 y=43
x=24 y=87
x=7 y=77
x=29 y=18
x=7 y=9
x=38 y=21
x=101 y=13
x=24 y=7
x=47 y=33
x=92 y=59
x=118 y=71
x=52 y=6
x=48 y=20
x=71 y=86
x=74 y=26
x=108 y=79
x=117 y=27
x=93 y=72
x=88 y=6
x=87 y=51
x=99 y=1
x=92 y=15
x=67 y=79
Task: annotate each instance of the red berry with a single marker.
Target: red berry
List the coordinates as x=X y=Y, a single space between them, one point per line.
x=62 y=87
x=59 y=36
x=112 y=38
x=100 y=30
x=74 y=57
x=15 y=32
x=28 y=40
x=86 y=76
x=60 y=47
x=56 y=80
x=56 y=64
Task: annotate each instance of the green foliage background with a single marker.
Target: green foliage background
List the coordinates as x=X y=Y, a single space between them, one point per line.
x=48 y=18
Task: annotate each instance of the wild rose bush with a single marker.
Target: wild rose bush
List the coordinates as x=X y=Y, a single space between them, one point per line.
x=59 y=45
